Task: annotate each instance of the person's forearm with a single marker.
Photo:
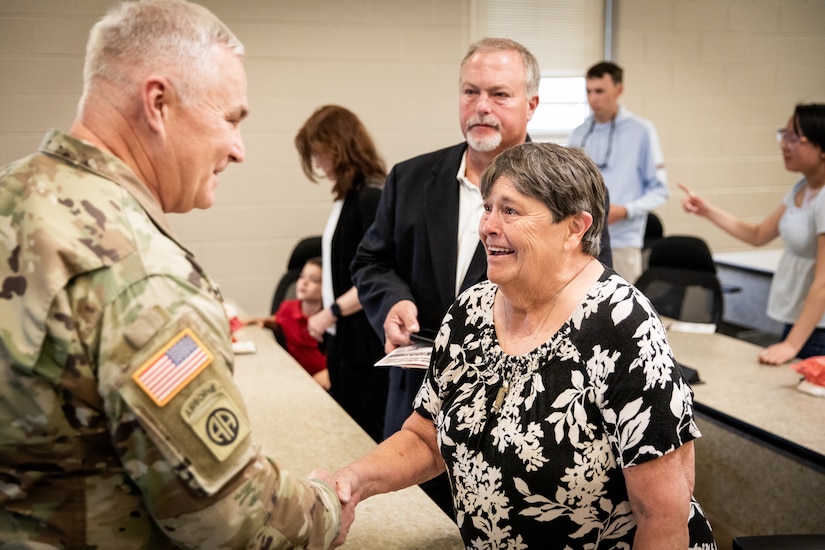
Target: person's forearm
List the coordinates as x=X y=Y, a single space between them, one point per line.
x=754 y=234
x=348 y=302
x=378 y=290
x=271 y=323
x=652 y=199
x=662 y=535
x=660 y=492
x=400 y=461
x=261 y=502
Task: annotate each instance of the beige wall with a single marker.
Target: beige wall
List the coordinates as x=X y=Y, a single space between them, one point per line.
x=393 y=63
x=716 y=77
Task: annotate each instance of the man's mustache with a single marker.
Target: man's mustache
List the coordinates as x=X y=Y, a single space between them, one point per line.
x=492 y=122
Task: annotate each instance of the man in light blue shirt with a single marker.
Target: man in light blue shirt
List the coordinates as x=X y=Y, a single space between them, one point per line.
x=627 y=151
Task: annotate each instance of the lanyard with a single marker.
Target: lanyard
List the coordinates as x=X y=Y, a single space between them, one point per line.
x=603 y=164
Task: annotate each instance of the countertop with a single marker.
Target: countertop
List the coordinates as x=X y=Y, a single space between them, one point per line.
x=302 y=428
x=737 y=385
x=761 y=260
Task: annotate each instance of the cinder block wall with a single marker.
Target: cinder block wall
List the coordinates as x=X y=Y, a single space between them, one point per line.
x=717 y=78
x=395 y=64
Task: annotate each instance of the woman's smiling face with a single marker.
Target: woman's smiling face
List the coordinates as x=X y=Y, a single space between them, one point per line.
x=523 y=243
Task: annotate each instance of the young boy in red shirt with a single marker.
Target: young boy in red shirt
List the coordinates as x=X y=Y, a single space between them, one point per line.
x=291 y=319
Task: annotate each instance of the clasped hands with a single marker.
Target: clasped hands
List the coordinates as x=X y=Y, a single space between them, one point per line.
x=345 y=484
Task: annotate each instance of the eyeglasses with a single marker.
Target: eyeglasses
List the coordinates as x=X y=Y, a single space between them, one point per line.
x=790 y=138
x=603 y=164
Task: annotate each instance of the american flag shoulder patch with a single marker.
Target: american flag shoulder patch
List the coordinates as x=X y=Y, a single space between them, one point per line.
x=169 y=371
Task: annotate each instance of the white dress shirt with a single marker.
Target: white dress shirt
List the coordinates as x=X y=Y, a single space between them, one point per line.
x=470 y=208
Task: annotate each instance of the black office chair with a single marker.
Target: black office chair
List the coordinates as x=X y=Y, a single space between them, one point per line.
x=653 y=230
x=681 y=282
x=308 y=247
x=780 y=542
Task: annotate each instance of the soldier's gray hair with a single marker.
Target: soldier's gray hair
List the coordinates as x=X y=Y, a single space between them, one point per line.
x=532 y=73
x=174 y=38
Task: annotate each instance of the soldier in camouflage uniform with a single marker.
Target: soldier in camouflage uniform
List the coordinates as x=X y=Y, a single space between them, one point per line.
x=120 y=425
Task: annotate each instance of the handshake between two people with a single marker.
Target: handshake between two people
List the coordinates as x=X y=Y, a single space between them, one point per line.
x=408 y=457
x=342 y=482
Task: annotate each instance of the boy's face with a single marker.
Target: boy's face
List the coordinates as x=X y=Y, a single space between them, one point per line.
x=308 y=286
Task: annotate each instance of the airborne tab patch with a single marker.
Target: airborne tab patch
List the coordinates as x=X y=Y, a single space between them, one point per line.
x=173 y=367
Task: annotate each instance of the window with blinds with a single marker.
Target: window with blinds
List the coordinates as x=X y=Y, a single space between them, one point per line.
x=566 y=36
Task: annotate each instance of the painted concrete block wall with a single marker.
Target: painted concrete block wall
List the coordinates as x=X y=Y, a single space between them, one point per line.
x=395 y=64
x=716 y=77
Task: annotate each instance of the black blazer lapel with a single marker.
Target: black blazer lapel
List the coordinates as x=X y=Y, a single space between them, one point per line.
x=442 y=223
x=477 y=271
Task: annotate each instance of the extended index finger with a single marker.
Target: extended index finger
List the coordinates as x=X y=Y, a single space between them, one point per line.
x=685 y=188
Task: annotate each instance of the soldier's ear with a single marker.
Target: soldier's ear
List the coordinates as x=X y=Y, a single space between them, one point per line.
x=156 y=93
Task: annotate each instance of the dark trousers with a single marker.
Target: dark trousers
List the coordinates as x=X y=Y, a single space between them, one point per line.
x=814 y=346
x=356 y=384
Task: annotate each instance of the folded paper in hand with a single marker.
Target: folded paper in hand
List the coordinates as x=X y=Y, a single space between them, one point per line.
x=415 y=356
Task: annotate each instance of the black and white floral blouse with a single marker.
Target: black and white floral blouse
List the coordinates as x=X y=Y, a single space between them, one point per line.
x=539 y=464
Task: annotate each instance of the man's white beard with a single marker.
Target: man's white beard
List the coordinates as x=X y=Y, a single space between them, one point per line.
x=485 y=145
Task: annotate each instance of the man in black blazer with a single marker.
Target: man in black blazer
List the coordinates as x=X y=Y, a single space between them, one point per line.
x=423 y=248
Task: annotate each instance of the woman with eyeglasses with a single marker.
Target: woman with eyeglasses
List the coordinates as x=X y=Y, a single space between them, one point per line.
x=797 y=295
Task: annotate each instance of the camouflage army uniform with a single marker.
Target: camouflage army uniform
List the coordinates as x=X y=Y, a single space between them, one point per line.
x=98 y=302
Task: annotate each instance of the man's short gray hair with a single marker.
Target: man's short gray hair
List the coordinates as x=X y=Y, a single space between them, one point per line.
x=174 y=38
x=532 y=73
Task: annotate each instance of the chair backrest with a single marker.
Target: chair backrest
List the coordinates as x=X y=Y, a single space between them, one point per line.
x=653 y=230
x=308 y=247
x=681 y=280
x=683 y=252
